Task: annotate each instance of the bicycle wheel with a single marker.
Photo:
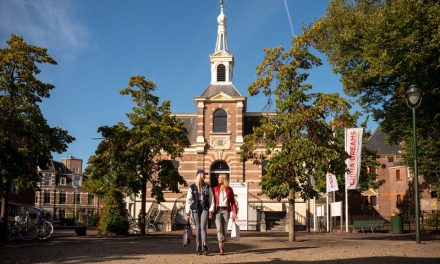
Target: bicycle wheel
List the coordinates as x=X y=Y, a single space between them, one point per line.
x=28 y=231
x=151 y=228
x=45 y=230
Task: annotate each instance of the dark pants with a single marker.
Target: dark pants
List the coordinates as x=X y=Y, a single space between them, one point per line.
x=201 y=220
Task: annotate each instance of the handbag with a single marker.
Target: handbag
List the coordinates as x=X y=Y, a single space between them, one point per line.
x=235 y=232
x=187 y=234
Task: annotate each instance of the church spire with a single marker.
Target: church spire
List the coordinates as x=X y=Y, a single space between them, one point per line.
x=222 y=43
x=222 y=61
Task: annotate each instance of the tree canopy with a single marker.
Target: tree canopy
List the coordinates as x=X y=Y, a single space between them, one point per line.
x=297 y=139
x=380 y=48
x=26 y=140
x=129 y=158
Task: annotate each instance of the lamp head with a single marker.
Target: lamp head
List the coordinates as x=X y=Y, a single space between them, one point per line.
x=413 y=96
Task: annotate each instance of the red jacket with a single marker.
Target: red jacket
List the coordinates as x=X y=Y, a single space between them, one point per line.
x=230 y=198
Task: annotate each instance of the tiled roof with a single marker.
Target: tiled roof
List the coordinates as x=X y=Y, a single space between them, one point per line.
x=214 y=89
x=190 y=124
x=378 y=143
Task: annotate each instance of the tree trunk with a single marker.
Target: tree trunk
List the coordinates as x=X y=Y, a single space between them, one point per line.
x=143 y=211
x=308 y=215
x=4 y=215
x=291 y=215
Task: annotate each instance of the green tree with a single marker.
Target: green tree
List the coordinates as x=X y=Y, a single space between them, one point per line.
x=380 y=48
x=26 y=140
x=108 y=169
x=156 y=135
x=114 y=217
x=297 y=140
x=129 y=158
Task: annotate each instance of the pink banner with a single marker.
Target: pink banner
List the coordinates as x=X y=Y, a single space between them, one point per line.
x=332 y=183
x=353 y=146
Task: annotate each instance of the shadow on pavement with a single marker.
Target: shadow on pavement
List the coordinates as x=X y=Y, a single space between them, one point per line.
x=98 y=249
x=384 y=260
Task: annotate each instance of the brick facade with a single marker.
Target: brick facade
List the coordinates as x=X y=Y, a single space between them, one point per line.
x=59 y=185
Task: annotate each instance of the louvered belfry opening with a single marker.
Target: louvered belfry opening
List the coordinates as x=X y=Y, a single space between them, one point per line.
x=221 y=73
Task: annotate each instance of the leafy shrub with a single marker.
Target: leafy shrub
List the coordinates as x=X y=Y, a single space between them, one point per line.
x=114 y=217
x=433 y=220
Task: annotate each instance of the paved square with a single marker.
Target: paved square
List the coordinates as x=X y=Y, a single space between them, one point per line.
x=252 y=247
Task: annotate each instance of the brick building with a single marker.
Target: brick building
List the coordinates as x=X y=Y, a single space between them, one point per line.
x=396 y=194
x=216 y=132
x=61 y=191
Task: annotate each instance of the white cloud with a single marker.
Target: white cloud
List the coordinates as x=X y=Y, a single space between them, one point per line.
x=49 y=23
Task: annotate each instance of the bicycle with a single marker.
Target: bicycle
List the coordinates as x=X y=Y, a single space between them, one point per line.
x=45 y=228
x=134 y=224
x=22 y=227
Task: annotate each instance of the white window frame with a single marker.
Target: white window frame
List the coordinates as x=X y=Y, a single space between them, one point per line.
x=63 y=181
x=74 y=180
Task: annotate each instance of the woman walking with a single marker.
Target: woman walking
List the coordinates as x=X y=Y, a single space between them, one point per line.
x=200 y=203
x=224 y=204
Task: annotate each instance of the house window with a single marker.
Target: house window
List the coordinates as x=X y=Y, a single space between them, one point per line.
x=61 y=214
x=221 y=73
x=62 y=197
x=47 y=179
x=399 y=200
x=220 y=121
x=77 y=199
x=91 y=199
x=46 y=197
x=398 y=178
x=76 y=181
x=373 y=200
x=390 y=158
x=63 y=181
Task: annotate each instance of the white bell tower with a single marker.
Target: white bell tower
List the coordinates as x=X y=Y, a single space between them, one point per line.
x=222 y=61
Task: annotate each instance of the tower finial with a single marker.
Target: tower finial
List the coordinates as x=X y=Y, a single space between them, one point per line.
x=222 y=44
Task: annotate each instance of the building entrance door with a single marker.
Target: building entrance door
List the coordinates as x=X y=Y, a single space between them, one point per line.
x=217 y=168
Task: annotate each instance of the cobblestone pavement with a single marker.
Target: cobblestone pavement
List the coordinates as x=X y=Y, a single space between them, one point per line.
x=252 y=247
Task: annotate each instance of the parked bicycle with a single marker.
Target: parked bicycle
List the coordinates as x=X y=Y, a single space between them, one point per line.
x=22 y=227
x=27 y=228
x=45 y=228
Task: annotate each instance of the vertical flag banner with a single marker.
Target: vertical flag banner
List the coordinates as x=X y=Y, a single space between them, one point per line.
x=241 y=197
x=353 y=146
x=332 y=183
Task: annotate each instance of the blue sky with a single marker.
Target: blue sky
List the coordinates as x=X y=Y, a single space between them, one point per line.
x=99 y=44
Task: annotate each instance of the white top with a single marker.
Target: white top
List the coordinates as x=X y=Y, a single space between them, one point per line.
x=189 y=200
x=223 y=199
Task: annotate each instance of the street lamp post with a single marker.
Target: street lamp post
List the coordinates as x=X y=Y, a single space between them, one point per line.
x=413 y=100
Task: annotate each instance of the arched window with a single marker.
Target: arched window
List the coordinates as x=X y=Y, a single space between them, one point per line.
x=220 y=121
x=220 y=166
x=221 y=73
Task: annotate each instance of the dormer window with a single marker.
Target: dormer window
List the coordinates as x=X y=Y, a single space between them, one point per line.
x=220 y=121
x=221 y=73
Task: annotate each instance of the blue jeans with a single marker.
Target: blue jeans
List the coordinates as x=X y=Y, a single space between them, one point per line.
x=221 y=223
x=201 y=220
